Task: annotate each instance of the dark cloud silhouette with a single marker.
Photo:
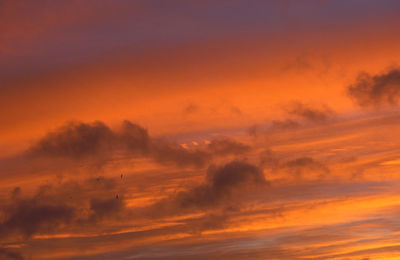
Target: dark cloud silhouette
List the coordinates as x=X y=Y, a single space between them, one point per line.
x=134 y=137
x=309 y=113
x=80 y=141
x=224 y=187
x=221 y=183
x=30 y=216
x=53 y=208
x=376 y=90
x=75 y=140
x=236 y=173
x=225 y=146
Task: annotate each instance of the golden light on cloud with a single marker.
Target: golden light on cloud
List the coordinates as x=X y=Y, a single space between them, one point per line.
x=391 y=162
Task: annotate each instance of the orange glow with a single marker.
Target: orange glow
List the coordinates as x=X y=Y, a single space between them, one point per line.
x=199 y=130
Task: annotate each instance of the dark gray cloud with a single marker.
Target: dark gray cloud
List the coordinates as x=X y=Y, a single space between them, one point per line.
x=53 y=208
x=30 y=216
x=134 y=137
x=234 y=174
x=82 y=141
x=221 y=184
x=75 y=140
x=376 y=90
x=79 y=140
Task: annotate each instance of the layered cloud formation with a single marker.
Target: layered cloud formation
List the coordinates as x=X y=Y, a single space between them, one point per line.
x=239 y=187
x=199 y=130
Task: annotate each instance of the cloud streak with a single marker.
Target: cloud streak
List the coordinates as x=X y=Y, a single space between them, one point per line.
x=309 y=113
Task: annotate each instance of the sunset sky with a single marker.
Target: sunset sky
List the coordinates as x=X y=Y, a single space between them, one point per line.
x=240 y=129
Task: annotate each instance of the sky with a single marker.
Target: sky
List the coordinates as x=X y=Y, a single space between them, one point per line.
x=199 y=129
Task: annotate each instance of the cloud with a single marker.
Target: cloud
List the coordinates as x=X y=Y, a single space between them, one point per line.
x=191 y=108
x=309 y=113
x=30 y=216
x=78 y=140
x=83 y=141
x=234 y=174
x=303 y=166
x=75 y=140
x=134 y=137
x=167 y=153
x=225 y=146
x=254 y=130
x=10 y=255
x=58 y=207
x=376 y=90
x=221 y=184
x=102 y=208
x=287 y=124
x=299 y=114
